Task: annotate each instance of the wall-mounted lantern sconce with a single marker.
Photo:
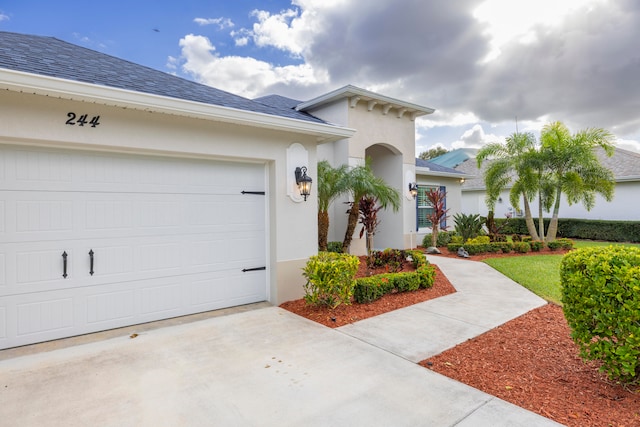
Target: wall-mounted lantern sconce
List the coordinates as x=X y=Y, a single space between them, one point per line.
x=413 y=189
x=303 y=181
x=499 y=199
x=461 y=180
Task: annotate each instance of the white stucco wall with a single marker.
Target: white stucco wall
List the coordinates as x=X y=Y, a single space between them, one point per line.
x=454 y=200
x=292 y=227
x=390 y=141
x=625 y=205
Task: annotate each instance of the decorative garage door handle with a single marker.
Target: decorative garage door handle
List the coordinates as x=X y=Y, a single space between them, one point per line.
x=64 y=264
x=244 y=270
x=91 y=262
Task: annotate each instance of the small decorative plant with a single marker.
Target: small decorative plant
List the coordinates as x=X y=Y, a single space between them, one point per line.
x=330 y=278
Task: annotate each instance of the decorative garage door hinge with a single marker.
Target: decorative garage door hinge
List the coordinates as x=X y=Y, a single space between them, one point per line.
x=261 y=193
x=244 y=270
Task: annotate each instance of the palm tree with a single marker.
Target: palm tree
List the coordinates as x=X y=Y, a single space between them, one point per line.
x=331 y=183
x=517 y=160
x=575 y=167
x=360 y=182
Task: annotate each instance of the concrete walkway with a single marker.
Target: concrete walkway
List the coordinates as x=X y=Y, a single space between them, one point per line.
x=484 y=299
x=269 y=367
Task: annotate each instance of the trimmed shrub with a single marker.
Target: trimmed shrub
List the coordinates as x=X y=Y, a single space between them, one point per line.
x=405 y=282
x=417 y=258
x=566 y=243
x=479 y=240
x=453 y=247
x=589 y=229
x=334 y=247
x=444 y=237
x=330 y=278
x=456 y=239
x=369 y=289
x=522 y=247
x=493 y=247
x=560 y=244
x=554 y=245
x=536 y=245
x=427 y=274
x=477 y=248
x=506 y=247
x=601 y=302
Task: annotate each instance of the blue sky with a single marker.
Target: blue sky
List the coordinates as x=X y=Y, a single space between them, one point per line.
x=479 y=63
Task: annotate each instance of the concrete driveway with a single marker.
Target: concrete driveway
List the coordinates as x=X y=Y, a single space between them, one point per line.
x=263 y=367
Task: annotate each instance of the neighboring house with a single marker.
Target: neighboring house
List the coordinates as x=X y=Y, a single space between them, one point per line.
x=129 y=195
x=434 y=176
x=625 y=205
x=385 y=135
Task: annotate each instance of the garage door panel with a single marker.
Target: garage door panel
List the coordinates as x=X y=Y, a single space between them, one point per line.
x=111 y=306
x=32 y=168
x=41 y=266
x=246 y=288
x=37 y=216
x=168 y=237
x=3 y=324
x=45 y=316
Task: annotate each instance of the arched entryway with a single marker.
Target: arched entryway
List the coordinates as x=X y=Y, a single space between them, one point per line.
x=386 y=163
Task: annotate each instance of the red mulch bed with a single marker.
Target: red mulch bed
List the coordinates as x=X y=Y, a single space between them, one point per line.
x=345 y=314
x=530 y=361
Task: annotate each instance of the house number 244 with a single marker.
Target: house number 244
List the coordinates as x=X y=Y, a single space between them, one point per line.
x=82 y=120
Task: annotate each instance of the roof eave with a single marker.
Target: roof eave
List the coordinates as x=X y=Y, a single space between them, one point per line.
x=18 y=81
x=628 y=178
x=427 y=171
x=350 y=91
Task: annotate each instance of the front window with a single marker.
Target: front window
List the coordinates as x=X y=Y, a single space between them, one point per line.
x=424 y=206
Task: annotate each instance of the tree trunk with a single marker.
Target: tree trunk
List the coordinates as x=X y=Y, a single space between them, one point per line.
x=323 y=230
x=369 y=242
x=434 y=235
x=351 y=225
x=553 y=225
x=528 y=219
x=540 y=218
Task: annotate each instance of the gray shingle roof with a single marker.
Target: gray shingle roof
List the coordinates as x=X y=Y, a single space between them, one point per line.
x=278 y=100
x=435 y=167
x=624 y=164
x=49 y=56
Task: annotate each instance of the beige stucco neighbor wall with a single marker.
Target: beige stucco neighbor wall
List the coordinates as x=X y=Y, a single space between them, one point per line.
x=292 y=227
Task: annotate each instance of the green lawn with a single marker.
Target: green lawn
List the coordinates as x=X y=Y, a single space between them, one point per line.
x=540 y=273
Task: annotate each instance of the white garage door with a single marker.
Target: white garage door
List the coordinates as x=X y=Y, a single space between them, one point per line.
x=93 y=241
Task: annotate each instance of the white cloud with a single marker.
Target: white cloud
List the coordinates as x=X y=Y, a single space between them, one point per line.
x=572 y=61
x=222 y=23
x=240 y=75
x=446 y=118
x=628 y=144
x=508 y=20
x=3 y=17
x=277 y=30
x=241 y=37
x=475 y=138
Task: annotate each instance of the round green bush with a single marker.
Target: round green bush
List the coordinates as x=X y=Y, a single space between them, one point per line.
x=330 y=278
x=601 y=302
